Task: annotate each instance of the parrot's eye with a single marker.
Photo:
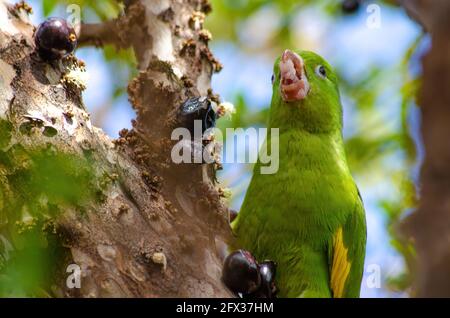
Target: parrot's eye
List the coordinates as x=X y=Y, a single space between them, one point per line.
x=321 y=71
x=273 y=78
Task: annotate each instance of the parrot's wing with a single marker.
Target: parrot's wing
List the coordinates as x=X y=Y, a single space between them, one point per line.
x=346 y=254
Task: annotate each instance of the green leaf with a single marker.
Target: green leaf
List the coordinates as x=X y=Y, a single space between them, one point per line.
x=48 y=6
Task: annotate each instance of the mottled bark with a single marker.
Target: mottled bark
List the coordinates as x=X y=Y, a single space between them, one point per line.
x=155 y=229
x=429 y=226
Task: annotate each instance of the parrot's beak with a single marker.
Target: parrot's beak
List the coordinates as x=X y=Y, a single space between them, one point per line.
x=294 y=83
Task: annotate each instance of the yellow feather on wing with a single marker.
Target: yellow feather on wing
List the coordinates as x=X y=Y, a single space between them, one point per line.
x=340 y=267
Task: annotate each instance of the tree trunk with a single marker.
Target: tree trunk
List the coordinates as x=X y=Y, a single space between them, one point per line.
x=429 y=226
x=142 y=226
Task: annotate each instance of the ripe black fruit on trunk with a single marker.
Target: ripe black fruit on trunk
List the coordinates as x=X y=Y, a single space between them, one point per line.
x=54 y=39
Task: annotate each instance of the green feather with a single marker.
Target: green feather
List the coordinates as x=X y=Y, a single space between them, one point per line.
x=294 y=215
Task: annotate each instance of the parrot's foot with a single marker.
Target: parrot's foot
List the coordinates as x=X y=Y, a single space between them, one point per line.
x=247 y=278
x=232 y=215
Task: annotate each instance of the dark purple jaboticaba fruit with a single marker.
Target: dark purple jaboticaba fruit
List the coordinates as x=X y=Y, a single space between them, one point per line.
x=268 y=270
x=241 y=273
x=197 y=109
x=54 y=39
x=350 y=6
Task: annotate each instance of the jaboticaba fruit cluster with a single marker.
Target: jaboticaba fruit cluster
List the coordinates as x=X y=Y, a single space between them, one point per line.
x=243 y=275
x=54 y=39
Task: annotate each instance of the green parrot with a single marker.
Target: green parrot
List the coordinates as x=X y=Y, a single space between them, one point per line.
x=308 y=217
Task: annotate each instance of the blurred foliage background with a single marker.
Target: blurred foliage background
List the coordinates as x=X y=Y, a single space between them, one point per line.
x=379 y=70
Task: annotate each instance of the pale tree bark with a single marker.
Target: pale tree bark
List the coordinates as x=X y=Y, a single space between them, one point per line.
x=155 y=229
x=429 y=226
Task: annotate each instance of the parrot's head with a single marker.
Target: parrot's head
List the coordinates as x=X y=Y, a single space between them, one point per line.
x=305 y=94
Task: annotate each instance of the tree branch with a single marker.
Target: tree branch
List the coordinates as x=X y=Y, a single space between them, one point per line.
x=100 y=34
x=415 y=10
x=429 y=225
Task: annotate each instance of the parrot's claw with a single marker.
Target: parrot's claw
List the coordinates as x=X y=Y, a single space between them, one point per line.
x=247 y=278
x=232 y=215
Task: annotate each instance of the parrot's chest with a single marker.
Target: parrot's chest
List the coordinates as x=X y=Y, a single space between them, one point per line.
x=312 y=191
x=315 y=176
x=307 y=208
x=320 y=193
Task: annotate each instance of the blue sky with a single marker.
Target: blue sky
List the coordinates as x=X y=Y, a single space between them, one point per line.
x=347 y=43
